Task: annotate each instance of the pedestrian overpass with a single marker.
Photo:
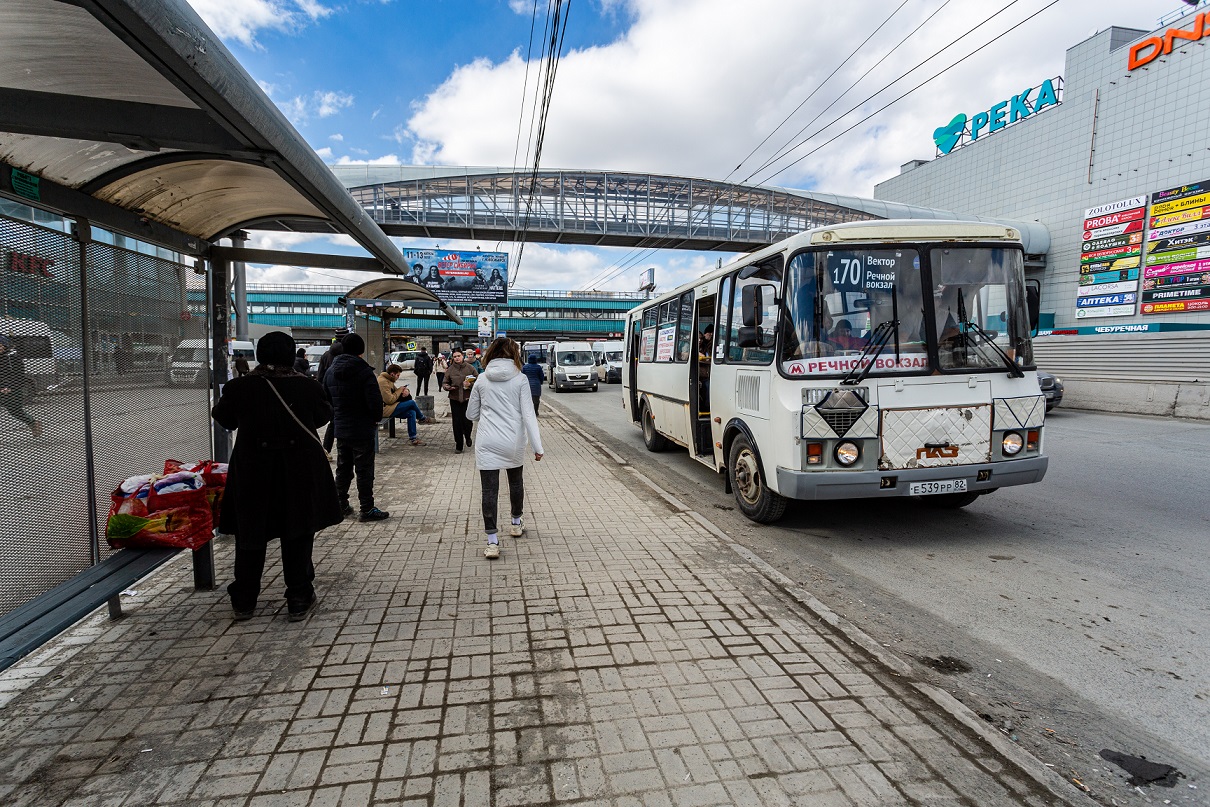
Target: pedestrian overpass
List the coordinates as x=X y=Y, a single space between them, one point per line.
x=607 y=208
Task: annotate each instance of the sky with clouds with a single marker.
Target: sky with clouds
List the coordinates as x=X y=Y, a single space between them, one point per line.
x=687 y=87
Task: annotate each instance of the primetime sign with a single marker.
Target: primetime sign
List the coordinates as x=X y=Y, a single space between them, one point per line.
x=1003 y=114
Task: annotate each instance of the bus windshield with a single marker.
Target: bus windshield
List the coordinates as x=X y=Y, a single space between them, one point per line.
x=979 y=305
x=839 y=301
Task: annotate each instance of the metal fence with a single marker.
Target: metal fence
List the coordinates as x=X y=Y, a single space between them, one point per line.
x=112 y=379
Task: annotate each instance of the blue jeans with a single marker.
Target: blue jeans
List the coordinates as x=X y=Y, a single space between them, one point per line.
x=411 y=410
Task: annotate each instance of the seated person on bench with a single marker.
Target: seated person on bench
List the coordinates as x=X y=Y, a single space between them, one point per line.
x=398 y=403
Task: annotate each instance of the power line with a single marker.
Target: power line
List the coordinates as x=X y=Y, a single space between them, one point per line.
x=558 y=13
x=782 y=150
x=818 y=87
x=529 y=51
x=904 y=95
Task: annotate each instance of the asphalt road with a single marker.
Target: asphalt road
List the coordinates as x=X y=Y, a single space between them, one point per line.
x=1072 y=614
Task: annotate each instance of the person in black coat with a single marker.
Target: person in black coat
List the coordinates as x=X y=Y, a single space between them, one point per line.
x=301 y=365
x=356 y=411
x=325 y=363
x=279 y=484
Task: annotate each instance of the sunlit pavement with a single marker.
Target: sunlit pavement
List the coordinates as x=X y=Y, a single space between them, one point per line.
x=619 y=653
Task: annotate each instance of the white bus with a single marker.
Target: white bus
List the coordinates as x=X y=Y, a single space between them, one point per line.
x=872 y=359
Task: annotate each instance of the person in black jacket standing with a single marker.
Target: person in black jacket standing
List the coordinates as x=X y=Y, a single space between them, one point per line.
x=325 y=363
x=357 y=408
x=278 y=483
x=13 y=384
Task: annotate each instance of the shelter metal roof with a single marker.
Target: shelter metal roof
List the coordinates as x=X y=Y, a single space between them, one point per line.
x=394 y=296
x=136 y=104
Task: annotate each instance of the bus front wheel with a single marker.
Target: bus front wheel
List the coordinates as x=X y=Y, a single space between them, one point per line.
x=752 y=493
x=652 y=438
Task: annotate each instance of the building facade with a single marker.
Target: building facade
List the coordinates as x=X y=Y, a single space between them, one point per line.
x=1118 y=171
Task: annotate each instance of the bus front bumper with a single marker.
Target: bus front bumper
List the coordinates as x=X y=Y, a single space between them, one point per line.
x=811 y=485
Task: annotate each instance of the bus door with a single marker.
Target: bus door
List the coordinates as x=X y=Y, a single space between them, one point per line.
x=699 y=376
x=632 y=365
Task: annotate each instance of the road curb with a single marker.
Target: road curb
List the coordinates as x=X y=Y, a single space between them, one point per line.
x=1028 y=764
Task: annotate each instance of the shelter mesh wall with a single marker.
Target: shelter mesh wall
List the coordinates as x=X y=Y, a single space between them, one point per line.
x=128 y=317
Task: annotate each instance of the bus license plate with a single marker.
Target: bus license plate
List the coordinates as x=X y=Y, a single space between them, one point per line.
x=939 y=486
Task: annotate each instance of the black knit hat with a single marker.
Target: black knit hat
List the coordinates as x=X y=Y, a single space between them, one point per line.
x=354 y=344
x=276 y=348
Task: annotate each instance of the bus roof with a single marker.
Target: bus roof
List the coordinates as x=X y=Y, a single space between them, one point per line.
x=907 y=230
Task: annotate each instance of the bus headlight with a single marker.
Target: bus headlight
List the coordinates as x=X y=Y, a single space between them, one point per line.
x=847 y=453
x=1012 y=444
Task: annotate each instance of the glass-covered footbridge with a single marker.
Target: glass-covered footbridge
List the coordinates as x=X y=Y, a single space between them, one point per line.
x=604 y=208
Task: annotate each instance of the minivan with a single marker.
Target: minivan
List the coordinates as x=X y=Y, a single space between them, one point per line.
x=192 y=356
x=608 y=356
x=570 y=366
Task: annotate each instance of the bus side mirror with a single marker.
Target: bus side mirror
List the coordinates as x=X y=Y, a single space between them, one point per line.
x=1033 y=302
x=753 y=301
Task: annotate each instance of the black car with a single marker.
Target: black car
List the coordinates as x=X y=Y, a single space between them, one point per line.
x=1052 y=388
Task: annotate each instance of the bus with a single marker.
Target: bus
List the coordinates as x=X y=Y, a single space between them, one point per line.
x=872 y=359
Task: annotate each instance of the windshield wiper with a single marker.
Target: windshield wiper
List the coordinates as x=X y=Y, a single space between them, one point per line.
x=879 y=338
x=988 y=339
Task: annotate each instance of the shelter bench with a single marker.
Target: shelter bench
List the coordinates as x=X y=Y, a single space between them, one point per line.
x=30 y=626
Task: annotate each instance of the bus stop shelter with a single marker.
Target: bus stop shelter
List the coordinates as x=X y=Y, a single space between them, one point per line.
x=131 y=143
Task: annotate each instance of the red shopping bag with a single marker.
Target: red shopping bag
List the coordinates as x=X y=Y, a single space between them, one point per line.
x=216 y=480
x=180 y=520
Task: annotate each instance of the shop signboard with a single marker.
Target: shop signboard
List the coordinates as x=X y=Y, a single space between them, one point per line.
x=1176 y=205
x=1187 y=293
x=1173 y=281
x=1135 y=226
x=1179 y=242
x=1109 y=277
x=1183 y=217
x=1180 y=192
x=1115 y=252
x=1178 y=230
x=1106 y=299
x=1108 y=288
x=460 y=277
x=1110 y=252
x=1184 y=268
x=1110 y=219
x=1176 y=307
x=1178 y=256
x=1106 y=311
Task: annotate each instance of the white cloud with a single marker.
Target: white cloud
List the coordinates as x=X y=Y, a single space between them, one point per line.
x=338 y=137
x=324 y=153
x=386 y=159
x=320 y=104
x=692 y=87
x=241 y=20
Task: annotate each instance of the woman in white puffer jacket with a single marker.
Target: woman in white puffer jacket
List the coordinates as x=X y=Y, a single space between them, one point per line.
x=501 y=402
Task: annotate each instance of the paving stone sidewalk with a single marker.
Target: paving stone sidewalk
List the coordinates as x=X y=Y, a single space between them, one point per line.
x=617 y=654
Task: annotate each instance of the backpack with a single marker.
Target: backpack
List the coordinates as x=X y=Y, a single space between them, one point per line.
x=423 y=364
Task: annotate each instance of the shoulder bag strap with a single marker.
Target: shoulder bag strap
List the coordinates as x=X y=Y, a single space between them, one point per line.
x=302 y=425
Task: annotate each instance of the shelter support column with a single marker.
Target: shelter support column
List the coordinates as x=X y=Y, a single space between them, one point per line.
x=82 y=231
x=239 y=271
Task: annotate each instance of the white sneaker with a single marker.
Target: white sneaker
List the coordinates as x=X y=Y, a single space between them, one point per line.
x=517 y=530
x=491 y=551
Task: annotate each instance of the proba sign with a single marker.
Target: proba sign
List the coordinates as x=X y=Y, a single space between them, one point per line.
x=1017 y=108
x=1148 y=50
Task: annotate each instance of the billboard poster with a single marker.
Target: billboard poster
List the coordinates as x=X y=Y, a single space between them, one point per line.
x=479 y=278
x=1111 y=249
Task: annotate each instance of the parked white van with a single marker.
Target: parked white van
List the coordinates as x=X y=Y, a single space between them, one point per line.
x=192 y=356
x=608 y=357
x=570 y=366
